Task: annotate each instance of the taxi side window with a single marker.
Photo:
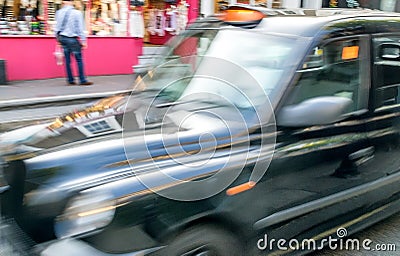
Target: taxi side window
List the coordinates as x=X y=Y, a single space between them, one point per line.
x=386 y=71
x=332 y=69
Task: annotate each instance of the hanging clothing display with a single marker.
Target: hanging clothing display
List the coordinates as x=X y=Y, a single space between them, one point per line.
x=151 y=21
x=136 y=24
x=170 y=20
x=159 y=25
x=182 y=16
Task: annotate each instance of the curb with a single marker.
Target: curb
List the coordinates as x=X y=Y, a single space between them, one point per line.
x=43 y=100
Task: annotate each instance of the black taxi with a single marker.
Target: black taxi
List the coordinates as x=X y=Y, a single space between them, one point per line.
x=257 y=128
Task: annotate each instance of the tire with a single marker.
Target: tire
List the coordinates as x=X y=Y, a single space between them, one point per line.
x=207 y=240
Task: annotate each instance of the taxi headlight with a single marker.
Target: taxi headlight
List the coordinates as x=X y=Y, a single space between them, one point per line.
x=86 y=212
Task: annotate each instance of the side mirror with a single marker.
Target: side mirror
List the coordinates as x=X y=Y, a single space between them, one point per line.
x=315 y=111
x=389 y=51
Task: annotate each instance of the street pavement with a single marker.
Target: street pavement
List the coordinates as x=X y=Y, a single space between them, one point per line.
x=28 y=102
x=39 y=91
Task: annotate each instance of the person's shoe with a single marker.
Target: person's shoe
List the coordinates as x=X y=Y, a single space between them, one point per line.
x=71 y=83
x=86 y=83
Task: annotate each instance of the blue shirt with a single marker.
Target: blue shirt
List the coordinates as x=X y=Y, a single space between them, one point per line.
x=74 y=26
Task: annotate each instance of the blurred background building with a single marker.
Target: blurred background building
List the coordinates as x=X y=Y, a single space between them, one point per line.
x=209 y=7
x=118 y=30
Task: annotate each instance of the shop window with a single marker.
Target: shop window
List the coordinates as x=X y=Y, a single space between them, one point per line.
x=108 y=17
x=24 y=17
x=159 y=19
x=340 y=3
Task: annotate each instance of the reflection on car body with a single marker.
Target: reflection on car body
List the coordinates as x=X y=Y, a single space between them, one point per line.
x=104 y=180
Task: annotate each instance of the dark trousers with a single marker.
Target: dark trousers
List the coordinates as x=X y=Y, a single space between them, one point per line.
x=72 y=46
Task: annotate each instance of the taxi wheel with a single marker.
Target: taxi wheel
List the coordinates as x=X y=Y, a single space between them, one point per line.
x=205 y=240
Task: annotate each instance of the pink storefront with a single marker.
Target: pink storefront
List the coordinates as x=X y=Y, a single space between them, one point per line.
x=117 y=31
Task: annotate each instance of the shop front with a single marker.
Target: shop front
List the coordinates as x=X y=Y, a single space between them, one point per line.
x=116 y=32
x=384 y=5
x=164 y=19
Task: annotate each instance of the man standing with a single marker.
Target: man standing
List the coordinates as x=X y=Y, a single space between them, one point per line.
x=72 y=38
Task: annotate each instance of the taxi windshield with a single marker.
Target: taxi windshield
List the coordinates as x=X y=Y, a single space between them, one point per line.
x=265 y=58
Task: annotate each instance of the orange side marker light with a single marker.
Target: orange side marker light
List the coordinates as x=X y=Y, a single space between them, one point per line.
x=240 y=188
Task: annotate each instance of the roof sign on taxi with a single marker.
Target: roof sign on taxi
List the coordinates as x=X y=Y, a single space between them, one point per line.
x=241 y=16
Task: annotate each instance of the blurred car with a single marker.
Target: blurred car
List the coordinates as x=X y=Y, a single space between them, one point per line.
x=288 y=119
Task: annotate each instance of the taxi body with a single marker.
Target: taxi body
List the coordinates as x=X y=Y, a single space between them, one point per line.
x=332 y=84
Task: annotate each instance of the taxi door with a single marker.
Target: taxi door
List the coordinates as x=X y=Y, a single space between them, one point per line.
x=318 y=171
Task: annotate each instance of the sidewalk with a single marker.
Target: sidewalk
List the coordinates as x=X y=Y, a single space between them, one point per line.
x=39 y=91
